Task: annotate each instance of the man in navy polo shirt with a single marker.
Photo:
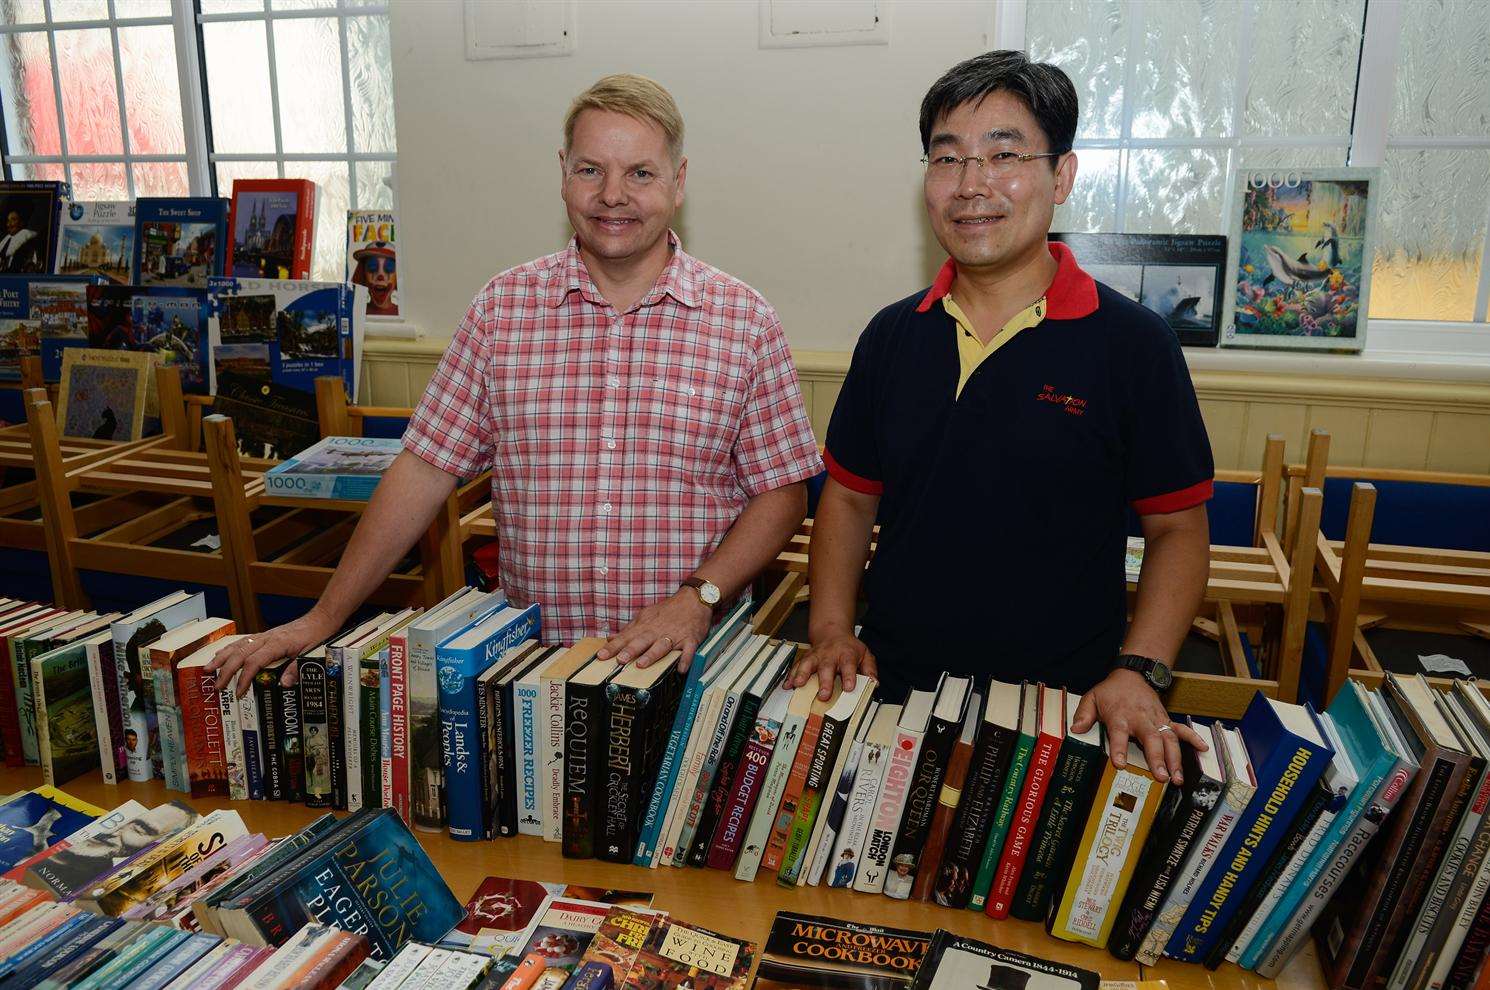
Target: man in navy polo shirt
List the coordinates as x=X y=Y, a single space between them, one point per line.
x=998 y=427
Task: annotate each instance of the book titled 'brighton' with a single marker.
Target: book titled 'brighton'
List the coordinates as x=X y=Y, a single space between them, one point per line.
x=346 y=468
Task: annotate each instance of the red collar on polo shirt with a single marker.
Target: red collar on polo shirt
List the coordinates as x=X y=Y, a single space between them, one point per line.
x=1072 y=293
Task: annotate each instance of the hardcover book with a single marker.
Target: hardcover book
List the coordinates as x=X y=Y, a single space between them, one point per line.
x=638 y=707
x=34 y=819
x=809 y=952
x=186 y=693
x=552 y=681
x=863 y=799
x=584 y=764
x=954 y=696
x=997 y=730
x=950 y=795
x=1008 y=799
x=677 y=953
x=954 y=962
x=67 y=735
x=1050 y=730
x=900 y=763
x=179 y=242
x=273 y=223
x=97 y=238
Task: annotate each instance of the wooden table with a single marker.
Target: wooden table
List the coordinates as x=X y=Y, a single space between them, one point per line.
x=707 y=897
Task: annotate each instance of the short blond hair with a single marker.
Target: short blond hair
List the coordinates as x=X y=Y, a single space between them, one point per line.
x=635 y=96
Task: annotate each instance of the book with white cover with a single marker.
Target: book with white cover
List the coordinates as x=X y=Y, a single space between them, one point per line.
x=875 y=860
x=848 y=850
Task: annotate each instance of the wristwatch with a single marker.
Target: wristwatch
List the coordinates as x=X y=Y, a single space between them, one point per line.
x=708 y=591
x=1155 y=672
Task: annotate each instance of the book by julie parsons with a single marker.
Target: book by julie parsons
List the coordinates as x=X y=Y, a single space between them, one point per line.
x=374 y=880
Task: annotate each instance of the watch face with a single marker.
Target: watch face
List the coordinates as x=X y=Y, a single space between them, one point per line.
x=709 y=593
x=1161 y=677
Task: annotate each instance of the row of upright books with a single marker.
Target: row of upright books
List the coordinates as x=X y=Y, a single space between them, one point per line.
x=156 y=897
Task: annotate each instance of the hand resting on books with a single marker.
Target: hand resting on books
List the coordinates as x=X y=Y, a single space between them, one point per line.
x=1128 y=708
x=842 y=655
x=254 y=652
x=678 y=623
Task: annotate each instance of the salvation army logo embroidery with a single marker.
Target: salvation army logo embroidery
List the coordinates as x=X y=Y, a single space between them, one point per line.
x=1069 y=403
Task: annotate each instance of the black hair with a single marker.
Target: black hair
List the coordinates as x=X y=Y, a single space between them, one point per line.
x=1044 y=88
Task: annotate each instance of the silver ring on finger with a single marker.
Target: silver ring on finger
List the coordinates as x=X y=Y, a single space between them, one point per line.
x=667 y=640
x=1166 y=727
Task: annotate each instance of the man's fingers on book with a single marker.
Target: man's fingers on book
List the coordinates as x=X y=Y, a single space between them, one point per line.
x=1117 y=744
x=1085 y=713
x=1172 y=756
x=1190 y=736
x=1153 y=752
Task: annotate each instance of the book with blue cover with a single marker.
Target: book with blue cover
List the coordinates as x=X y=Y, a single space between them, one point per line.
x=180 y=241
x=1288 y=754
x=1374 y=761
x=667 y=771
x=168 y=323
x=42 y=314
x=34 y=819
x=97 y=238
x=346 y=468
x=371 y=877
x=459 y=661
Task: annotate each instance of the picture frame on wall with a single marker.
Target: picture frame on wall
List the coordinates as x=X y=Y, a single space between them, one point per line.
x=1178 y=276
x=1299 y=264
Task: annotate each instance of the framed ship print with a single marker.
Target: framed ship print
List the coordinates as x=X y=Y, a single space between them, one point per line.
x=1299 y=265
x=1178 y=276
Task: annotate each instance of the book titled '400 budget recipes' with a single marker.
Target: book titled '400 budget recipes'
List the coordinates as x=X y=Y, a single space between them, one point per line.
x=335 y=468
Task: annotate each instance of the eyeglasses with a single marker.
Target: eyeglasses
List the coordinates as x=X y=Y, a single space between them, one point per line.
x=948 y=167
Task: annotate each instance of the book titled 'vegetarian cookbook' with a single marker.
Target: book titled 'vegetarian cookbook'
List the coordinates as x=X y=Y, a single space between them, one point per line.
x=955 y=962
x=809 y=952
x=343 y=468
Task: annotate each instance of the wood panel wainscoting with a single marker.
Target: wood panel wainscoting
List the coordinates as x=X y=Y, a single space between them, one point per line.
x=1379 y=422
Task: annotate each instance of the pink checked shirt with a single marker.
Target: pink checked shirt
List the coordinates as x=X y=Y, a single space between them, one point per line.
x=622 y=446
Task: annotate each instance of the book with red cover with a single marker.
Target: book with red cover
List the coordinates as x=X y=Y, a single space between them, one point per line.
x=272 y=228
x=796 y=782
x=1052 y=730
x=397 y=797
x=744 y=791
x=201 y=717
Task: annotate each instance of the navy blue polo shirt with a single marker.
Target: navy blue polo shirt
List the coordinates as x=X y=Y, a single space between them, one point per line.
x=1003 y=511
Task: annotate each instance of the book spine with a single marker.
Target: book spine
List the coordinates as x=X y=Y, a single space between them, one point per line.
x=100 y=700
x=920 y=805
x=1466 y=911
x=201 y=712
x=351 y=699
x=837 y=809
x=291 y=741
x=426 y=760
x=160 y=685
x=43 y=728
x=772 y=786
x=1169 y=842
x=791 y=795
x=688 y=772
x=1303 y=823
x=947 y=801
x=25 y=701
x=809 y=803
x=274 y=787
x=1387 y=938
x=1003 y=817
x=1059 y=829
x=305 y=232
x=705 y=784
x=1469 y=960
x=10 y=713
x=551 y=695
x=718 y=798
x=316 y=743
x=401 y=761
x=368 y=710
x=1021 y=829
x=1275 y=890
x=1292 y=935
x=848 y=849
x=744 y=794
x=528 y=822
x=232 y=738
x=899 y=768
x=1104 y=860
x=385 y=728
x=992 y=750
x=622 y=780
x=460 y=750
x=667 y=769
x=583 y=720
x=487 y=757
x=336 y=731
x=508 y=737
x=253 y=742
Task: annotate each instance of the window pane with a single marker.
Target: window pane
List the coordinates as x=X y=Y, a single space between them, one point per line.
x=22 y=12
x=142 y=8
x=1431 y=235
x=1175 y=190
x=238 y=87
x=312 y=109
x=373 y=190
x=80 y=10
x=1289 y=157
x=1302 y=80
x=231 y=6
x=370 y=59
x=30 y=100
x=331 y=215
x=152 y=90
x=1089 y=40
x=1443 y=63
x=1185 y=83
x=302 y=4
x=228 y=171
x=1093 y=202
x=161 y=179
x=99 y=180
x=50 y=172
x=90 y=99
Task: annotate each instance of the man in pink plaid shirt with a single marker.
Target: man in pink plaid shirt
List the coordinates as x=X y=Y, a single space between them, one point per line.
x=638 y=409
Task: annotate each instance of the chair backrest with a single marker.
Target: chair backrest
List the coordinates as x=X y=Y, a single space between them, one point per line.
x=338 y=417
x=1417 y=509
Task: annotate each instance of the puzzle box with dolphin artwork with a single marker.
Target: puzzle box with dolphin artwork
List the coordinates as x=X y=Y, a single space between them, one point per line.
x=1300 y=258
x=1178 y=276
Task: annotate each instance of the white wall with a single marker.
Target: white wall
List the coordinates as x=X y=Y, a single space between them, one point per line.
x=803 y=175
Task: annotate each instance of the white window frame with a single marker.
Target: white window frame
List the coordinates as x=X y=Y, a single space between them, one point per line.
x=1397 y=345
x=126 y=157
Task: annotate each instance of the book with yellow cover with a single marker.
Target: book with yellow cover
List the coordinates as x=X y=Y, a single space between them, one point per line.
x=103 y=393
x=1127 y=801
